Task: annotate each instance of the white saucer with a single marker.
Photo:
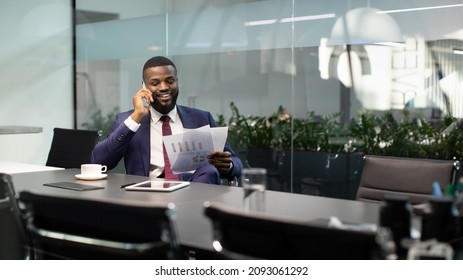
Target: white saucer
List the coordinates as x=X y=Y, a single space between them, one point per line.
x=91 y=177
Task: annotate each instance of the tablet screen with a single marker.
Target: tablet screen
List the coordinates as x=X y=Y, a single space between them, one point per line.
x=159 y=185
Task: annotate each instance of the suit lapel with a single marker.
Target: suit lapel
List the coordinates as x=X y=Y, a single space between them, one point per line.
x=188 y=120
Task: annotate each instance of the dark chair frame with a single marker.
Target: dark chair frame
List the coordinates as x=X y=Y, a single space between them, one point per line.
x=13 y=229
x=72 y=147
x=79 y=228
x=252 y=235
x=412 y=177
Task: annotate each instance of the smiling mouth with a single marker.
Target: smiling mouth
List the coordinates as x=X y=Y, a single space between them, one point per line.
x=162 y=95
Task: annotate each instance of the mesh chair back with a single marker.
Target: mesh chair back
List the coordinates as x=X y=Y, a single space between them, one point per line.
x=246 y=235
x=72 y=147
x=412 y=177
x=77 y=228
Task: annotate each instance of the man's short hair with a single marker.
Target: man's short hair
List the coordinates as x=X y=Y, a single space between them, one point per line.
x=158 y=61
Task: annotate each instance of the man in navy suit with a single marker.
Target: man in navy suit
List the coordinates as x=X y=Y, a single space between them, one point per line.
x=136 y=135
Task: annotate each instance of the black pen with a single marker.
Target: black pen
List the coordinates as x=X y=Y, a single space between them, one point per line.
x=126 y=185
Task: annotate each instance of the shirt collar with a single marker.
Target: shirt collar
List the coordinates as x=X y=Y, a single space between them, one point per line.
x=155 y=115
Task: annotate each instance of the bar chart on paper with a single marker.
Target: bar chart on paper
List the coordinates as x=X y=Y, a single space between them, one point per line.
x=188 y=151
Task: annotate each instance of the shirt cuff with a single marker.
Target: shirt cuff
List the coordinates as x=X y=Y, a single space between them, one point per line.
x=131 y=124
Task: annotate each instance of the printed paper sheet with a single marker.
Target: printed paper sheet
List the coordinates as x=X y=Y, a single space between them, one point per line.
x=188 y=151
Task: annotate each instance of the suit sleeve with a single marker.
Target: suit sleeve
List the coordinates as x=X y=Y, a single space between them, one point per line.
x=111 y=150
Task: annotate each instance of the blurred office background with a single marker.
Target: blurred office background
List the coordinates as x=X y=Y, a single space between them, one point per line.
x=70 y=63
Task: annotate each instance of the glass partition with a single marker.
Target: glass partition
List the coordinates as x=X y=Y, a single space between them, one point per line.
x=286 y=77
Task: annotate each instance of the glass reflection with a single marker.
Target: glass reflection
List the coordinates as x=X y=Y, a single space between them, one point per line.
x=313 y=58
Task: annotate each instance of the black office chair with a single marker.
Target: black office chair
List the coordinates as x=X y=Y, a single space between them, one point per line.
x=252 y=235
x=78 y=228
x=412 y=177
x=15 y=242
x=72 y=147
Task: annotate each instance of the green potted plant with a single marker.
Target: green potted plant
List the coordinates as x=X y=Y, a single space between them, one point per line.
x=318 y=151
x=293 y=150
x=100 y=122
x=407 y=137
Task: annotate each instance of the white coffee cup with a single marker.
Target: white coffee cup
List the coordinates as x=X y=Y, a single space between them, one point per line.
x=92 y=169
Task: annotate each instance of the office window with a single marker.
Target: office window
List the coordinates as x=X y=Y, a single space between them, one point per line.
x=316 y=58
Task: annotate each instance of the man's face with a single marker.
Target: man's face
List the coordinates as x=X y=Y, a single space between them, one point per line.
x=162 y=82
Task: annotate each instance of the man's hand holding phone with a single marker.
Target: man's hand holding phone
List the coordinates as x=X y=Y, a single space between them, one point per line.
x=144 y=99
x=141 y=102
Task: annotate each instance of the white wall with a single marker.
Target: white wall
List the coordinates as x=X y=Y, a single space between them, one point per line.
x=36 y=69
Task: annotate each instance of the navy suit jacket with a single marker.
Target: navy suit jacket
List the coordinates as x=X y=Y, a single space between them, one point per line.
x=134 y=147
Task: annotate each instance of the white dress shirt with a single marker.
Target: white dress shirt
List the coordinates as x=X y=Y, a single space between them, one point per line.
x=157 y=155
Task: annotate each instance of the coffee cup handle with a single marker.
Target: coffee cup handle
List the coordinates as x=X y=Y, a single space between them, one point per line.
x=104 y=168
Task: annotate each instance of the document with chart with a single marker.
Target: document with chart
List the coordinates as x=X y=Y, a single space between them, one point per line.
x=188 y=151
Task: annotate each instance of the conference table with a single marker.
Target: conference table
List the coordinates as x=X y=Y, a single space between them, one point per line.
x=195 y=230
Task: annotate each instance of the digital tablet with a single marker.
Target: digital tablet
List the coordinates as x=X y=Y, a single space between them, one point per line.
x=158 y=186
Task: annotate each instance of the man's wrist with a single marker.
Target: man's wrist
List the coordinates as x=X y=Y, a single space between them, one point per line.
x=131 y=124
x=137 y=117
x=230 y=170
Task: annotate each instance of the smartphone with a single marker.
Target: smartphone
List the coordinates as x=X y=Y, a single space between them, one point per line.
x=144 y=100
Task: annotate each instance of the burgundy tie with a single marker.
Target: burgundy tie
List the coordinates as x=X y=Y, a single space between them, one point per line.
x=168 y=174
